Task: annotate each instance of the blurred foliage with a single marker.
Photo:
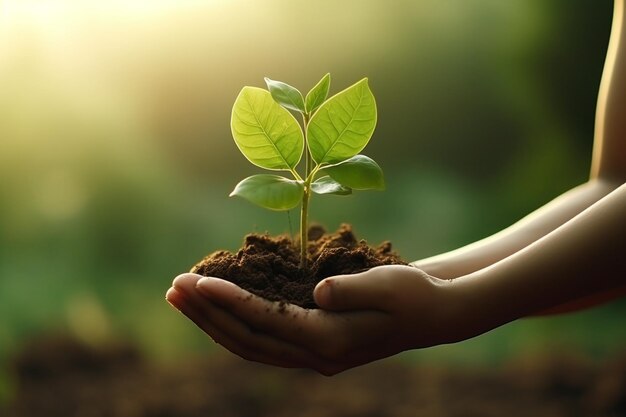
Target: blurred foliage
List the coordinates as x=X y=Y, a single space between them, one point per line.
x=116 y=157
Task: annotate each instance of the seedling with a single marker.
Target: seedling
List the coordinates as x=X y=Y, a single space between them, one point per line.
x=332 y=134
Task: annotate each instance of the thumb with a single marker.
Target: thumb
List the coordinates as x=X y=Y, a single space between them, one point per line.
x=369 y=290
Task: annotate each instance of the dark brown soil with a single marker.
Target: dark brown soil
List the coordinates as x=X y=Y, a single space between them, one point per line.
x=270 y=266
x=60 y=377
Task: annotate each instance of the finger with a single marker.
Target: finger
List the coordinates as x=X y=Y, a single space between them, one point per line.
x=326 y=334
x=174 y=298
x=187 y=280
x=284 y=321
x=233 y=335
x=238 y=337
x=372 y=289
x=189 y=309
x=250 y=339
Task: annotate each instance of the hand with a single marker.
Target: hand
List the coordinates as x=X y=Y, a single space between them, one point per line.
x=363 y=317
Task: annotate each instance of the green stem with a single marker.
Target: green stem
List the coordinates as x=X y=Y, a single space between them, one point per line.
x=304 y=211
x=304 y=226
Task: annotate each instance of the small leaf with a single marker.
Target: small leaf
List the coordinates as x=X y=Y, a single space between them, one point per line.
x=286 y=95
x=270 y=191
x=343 y=125
x=267 y=134
x=327 y=185
x=359 y=172
x=318 y=94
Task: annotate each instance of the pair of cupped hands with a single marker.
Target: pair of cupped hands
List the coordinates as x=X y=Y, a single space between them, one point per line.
x=362 y=317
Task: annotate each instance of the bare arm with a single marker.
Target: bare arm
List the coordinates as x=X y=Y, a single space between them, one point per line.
x=609 y=152
x=485 y=252
x=607 y=173
x=584 y=256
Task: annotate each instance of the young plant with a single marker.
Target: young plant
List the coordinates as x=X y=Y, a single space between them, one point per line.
x=332 y=134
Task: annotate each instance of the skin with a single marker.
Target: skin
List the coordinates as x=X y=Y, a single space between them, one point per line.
x=567 y=255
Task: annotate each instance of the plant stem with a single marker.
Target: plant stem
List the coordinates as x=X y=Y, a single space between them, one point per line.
x=304 y=212
x=304 y=239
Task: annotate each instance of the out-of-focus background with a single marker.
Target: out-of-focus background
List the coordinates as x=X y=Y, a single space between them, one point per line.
x=116 y=160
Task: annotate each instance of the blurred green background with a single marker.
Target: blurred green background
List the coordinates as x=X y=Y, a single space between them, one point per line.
x=116 y=157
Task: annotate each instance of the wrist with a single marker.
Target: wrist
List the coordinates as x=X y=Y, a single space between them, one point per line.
x=446 y=313
x=473 y=307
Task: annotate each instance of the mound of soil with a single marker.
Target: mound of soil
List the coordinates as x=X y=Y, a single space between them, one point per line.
x=270 y=266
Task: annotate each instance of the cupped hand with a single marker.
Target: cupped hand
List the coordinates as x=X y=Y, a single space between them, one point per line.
x=362 y=318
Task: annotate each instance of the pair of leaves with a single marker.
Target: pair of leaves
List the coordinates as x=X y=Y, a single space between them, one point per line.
x=270 y=137
x=279 y=193
x=291 y=98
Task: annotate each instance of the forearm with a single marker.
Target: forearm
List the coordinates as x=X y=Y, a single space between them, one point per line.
x=487 y=251
x=609 y=151
x=608 y=171
x=585 y=256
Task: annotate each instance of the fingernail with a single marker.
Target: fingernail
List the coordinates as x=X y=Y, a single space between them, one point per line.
x=170 y=293
x=178 y=281
x=200 y=285
x=174 y=298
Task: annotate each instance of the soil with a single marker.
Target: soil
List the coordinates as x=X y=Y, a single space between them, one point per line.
x=57 y=376
x=270 y=266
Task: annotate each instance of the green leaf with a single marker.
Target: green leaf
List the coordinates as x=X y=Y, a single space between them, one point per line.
x=286 y=95
x=359 y=172
x=318 y=94
x=327 y=185
x=270 y=191
x=343 y=125
x=267 y=134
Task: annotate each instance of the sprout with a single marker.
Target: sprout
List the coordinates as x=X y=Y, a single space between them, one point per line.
x=333 y=133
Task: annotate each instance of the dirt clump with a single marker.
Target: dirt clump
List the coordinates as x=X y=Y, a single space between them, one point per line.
x=270 y=266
